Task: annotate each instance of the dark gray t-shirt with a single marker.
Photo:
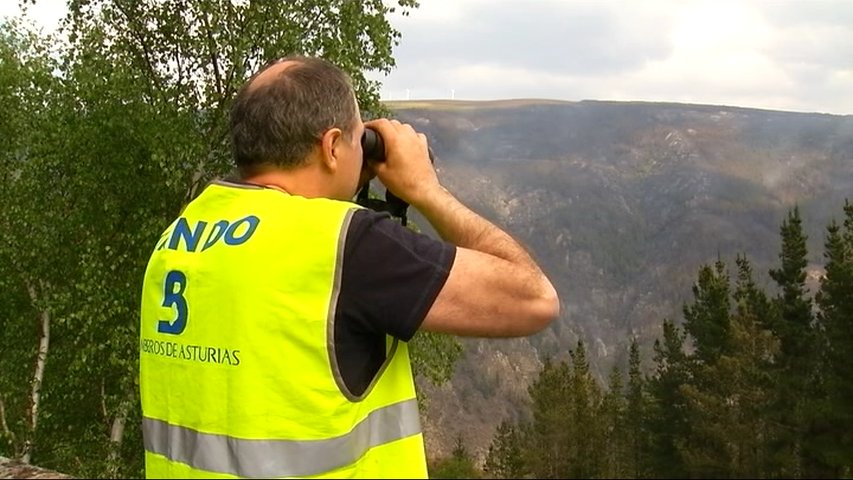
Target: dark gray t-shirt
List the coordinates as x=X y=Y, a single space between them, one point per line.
x=390 y=278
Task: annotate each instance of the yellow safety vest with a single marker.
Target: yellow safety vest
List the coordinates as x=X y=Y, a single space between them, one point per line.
x=238 y=374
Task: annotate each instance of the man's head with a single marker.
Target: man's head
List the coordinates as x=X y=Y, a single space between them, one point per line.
x=294 y=111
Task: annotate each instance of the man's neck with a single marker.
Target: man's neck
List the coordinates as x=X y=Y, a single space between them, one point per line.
x=303 y=181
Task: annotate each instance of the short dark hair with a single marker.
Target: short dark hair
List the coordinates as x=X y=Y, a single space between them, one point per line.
x=279 y=122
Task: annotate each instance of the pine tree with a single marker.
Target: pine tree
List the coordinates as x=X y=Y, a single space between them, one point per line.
x=794 y=324
x=835 y=300
x=796 y=364
x=460 y=464
x=756 y=312
x=748 y=297
x=637 y=413
x=585 y=395
x=612 y=416
x=707 y=319
x=552 y=429
x=708 y=323
x=667 y=421
x=726 y=408
x=505 y=458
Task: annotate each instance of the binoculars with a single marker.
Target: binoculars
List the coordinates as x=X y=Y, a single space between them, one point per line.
x=372 y=145
x=374 y=150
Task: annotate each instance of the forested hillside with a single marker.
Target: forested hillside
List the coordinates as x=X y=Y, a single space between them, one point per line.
x=750 y=386
x=624 y=203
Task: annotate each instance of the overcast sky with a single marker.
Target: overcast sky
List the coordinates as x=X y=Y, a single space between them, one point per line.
x=783 y=54
x=794 y=55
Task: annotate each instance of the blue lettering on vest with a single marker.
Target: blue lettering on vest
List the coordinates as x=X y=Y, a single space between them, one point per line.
x=230 y=239
x=217 y=231
x=233 y=234
x=182 y=230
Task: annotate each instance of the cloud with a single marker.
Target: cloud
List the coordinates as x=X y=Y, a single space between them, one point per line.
x=778 y=54
x=556 y=37
x=808 y=12
x=786 y=55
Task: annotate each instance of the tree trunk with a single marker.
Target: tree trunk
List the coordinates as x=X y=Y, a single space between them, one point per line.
x=117 y=435
x=3 y=423
x=38 y=374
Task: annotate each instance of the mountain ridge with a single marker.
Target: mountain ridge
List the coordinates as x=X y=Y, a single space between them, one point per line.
x=396 y=105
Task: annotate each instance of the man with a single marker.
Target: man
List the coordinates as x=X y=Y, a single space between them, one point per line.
x=275 y=311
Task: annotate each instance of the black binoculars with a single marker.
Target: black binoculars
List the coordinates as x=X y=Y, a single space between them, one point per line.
x=374 y=150
x=372 y=146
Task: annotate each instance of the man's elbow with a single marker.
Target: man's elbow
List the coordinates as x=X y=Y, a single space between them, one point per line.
x=547 y=308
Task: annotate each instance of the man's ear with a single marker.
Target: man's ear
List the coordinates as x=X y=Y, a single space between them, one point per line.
x=329 y=145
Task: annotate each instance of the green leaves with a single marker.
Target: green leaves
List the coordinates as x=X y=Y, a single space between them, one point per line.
x=104 y=138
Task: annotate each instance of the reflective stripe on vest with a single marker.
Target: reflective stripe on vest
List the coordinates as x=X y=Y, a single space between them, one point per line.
x=280 y=458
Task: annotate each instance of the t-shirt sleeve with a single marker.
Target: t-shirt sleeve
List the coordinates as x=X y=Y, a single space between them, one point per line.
x=391 y=275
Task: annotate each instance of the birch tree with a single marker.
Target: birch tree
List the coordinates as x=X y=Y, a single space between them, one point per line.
x=108 y=135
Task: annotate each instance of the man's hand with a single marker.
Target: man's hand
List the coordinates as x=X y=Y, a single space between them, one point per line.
x=407 y=170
